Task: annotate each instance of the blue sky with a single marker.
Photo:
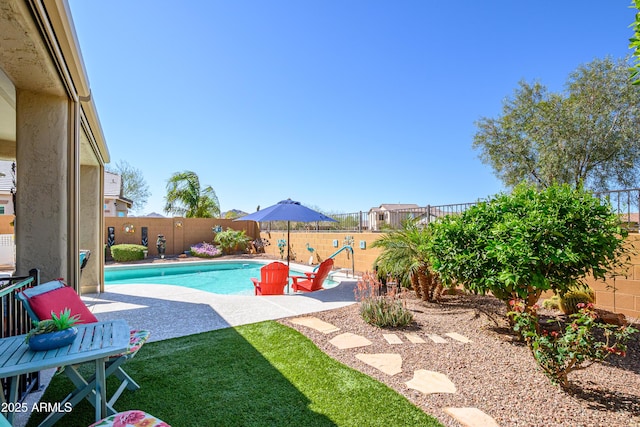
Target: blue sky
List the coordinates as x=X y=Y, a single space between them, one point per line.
x=342 y=105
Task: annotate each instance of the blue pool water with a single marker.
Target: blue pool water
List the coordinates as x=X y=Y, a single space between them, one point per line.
x=227 y=278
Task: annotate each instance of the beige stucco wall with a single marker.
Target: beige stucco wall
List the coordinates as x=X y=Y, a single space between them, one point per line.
x=622 y=294
x=181 y=233
x=323 y=245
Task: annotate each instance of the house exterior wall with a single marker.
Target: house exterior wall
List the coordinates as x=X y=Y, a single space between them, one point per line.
x=56 y=131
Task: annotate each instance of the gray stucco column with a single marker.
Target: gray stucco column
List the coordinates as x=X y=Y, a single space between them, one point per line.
x=42 y=159
x=91 y=227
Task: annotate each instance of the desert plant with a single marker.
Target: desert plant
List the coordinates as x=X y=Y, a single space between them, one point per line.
x=57 y=323
x=404 y=256
x=381 y=310
x=205 y=250
x=577 y=347
x=232 y=240
x=552 y=303
x=580 y=294
x=127 y=252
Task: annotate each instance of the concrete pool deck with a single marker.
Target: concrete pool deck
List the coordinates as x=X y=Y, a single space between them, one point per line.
x=169 y=311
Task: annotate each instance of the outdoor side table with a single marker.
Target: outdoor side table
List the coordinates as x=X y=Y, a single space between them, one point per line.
x=95 y=342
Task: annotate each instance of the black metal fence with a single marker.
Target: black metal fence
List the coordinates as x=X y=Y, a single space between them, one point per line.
x=374 y=220
x=16 y=321
x=626 y=203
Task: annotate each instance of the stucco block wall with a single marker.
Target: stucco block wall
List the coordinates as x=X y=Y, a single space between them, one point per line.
x=622 y=294
x=181 y=233
x=322 y=243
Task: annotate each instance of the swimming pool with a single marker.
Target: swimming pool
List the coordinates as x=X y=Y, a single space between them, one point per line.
x=218 y=277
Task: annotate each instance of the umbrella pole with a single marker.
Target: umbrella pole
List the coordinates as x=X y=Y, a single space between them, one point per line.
x=288 y=248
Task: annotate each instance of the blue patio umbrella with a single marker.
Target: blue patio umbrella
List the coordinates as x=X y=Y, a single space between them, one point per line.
x=286 y=210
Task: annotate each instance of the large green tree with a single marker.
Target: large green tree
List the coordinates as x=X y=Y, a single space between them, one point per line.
x=185 y=197
x=634 y=44
x=134 y=186
x=587 y=135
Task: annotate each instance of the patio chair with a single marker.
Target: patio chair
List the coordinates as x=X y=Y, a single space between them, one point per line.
x=273 y=279
x=313 y=281
x=55 y=296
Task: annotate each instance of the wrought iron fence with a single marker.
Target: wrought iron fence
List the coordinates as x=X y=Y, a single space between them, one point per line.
x=373 y=220
x=625 y=203
x=15 y=321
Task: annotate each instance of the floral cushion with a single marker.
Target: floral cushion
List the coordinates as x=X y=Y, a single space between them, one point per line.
x=130 y=418
x=137 y=338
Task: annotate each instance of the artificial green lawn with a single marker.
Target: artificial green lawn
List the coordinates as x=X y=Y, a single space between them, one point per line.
x=263 y=374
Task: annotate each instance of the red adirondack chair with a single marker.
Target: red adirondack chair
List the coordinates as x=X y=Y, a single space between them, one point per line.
x=313 y=281
x=273 y=279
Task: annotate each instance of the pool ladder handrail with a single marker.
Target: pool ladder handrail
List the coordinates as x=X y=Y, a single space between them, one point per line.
x=333 y=255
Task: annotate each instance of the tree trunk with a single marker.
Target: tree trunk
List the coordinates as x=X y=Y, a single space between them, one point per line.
x=416 y=284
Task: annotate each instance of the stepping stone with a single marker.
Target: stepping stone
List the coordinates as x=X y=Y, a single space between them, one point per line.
x=349 y=340
x=414 y=338
x=429 y=382
x=389 y=363
x=437 y=339
x=471 y=417
x=456 y=336
x=392 y=338
x=315 y=323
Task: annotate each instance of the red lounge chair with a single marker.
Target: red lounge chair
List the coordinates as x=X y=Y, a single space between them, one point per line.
x=313 y=281
x=273 y=279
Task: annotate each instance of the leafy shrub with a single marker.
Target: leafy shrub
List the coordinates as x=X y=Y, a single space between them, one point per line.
x=127 y=252
x=577 y=347
x=205 y=250
x=231 y=241
x=381 y=310
x=521 y=244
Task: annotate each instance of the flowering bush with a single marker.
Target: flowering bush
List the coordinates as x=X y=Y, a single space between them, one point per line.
x=205 y=250
x=583 y=342
x=381 y=310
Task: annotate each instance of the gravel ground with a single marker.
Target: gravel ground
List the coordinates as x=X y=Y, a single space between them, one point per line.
x=494 y=372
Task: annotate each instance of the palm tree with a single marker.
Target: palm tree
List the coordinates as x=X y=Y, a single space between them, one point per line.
x=186 y=198
x=404 y=257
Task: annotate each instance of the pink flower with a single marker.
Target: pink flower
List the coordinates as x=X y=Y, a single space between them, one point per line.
x=127 y=418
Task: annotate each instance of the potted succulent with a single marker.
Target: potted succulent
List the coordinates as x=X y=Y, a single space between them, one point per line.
x=53 y=333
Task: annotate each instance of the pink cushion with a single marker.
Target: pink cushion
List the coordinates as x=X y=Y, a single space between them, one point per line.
x=57 y=301
x=130 y=418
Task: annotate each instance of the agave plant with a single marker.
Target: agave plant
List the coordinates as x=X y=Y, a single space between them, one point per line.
x=57 y=323
x=404 y=256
